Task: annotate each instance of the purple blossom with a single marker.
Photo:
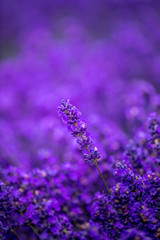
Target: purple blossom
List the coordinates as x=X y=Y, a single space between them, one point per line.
x=71 y=116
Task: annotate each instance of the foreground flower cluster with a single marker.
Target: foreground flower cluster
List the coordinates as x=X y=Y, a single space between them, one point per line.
x=56 y=203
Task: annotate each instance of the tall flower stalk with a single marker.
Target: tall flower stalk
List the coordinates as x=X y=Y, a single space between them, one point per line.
x=71 y=117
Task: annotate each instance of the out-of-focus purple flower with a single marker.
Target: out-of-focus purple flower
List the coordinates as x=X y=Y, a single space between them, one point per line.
x=133 y=234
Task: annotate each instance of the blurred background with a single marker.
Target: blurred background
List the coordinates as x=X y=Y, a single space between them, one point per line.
x=104 y=55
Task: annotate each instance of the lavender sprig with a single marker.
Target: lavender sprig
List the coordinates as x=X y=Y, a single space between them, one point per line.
x=71 y=117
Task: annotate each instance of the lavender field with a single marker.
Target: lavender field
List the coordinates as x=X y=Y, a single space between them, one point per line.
x=79 y=120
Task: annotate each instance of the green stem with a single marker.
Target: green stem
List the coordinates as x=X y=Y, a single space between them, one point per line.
x=97 y=167
x=34 y=230
x=1 y=237
x=31 y=226
x=12 y=230
x=109 y=192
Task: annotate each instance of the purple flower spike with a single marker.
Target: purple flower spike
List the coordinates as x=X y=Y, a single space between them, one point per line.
x=71 y=117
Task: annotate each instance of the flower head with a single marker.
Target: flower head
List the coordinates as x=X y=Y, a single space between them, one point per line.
x=71 y=117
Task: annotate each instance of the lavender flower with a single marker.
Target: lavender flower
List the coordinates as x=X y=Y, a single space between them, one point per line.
x=134 y=203
x=71 y=116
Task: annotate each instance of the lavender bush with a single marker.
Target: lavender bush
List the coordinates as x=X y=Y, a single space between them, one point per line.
x=96 y=173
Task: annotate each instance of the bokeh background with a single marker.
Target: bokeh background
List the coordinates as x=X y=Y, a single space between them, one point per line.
x=102 y=55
